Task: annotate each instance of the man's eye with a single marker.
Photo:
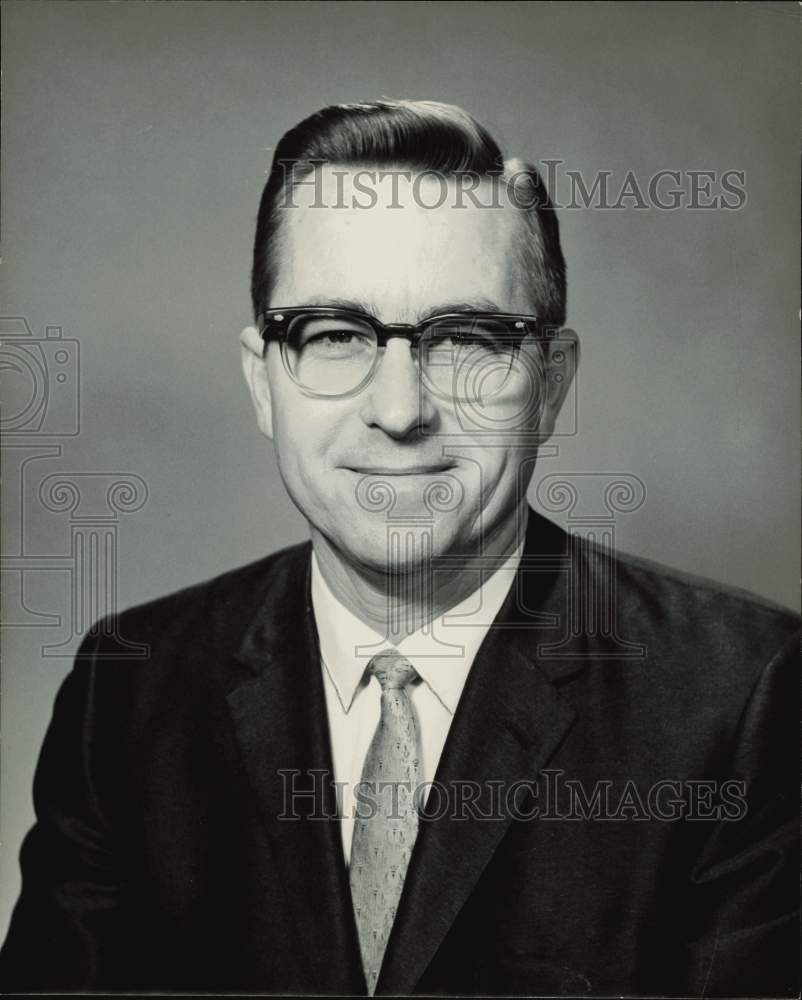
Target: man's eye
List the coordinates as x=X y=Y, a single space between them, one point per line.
x=468 y=342
x=336 y=336
x=444 y=341
x=341 y=343
x=487 y=344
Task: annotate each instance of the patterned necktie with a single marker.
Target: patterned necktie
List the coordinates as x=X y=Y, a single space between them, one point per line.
x=385 y=834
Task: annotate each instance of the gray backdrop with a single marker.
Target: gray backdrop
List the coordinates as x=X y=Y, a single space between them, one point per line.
x=136 y=143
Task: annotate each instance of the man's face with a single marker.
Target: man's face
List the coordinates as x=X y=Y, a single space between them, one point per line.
x=355 y=465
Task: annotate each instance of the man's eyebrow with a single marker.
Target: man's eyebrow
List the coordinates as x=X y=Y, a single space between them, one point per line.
x=324 y=302
x=480 y=304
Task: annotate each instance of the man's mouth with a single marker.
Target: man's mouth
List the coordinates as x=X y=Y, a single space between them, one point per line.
x=400 y=470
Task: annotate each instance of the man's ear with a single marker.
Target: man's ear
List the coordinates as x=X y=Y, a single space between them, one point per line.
x=254 y=368
x=562 y=361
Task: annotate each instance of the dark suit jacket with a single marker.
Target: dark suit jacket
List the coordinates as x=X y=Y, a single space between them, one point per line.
x=159 y=859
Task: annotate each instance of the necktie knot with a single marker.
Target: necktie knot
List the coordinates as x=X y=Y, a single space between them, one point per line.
x=392 y=670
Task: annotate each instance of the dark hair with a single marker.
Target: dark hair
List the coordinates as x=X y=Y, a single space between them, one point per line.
x=421 y=136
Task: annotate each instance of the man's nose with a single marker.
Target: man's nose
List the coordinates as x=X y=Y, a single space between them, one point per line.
x=396 y=400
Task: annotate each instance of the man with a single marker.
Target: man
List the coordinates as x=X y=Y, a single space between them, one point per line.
x=589 y=759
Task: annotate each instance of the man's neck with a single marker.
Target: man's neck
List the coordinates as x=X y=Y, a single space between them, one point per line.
x=396 y=604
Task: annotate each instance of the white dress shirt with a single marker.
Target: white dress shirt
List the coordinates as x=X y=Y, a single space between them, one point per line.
x=441 y=653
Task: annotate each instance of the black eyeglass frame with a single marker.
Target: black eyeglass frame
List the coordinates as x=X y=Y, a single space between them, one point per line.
x=275 y=324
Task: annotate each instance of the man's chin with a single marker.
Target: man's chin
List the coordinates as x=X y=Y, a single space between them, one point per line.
x=398 y=548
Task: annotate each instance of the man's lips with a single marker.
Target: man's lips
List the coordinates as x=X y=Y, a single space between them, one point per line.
x=404 y=470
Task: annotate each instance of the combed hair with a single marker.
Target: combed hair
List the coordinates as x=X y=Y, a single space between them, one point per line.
x=419 y=136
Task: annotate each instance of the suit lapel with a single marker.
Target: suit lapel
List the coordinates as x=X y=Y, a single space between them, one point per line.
x=279 y=714
x=510 y=720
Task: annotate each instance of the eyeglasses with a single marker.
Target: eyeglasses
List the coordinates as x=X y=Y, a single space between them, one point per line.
x=333 y=353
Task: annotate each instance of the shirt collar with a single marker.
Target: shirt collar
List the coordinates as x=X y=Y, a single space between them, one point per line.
x=442 y=652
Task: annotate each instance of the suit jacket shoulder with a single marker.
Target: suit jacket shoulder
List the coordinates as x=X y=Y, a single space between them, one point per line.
x=685 y=617
x=211 y=614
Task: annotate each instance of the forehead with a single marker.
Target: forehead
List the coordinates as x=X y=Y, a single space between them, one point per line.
x=399 y=242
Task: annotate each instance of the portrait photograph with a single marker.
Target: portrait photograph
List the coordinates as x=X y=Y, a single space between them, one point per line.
x=401 y=511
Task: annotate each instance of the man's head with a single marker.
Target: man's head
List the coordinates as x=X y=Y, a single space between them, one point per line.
x=402 y=210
